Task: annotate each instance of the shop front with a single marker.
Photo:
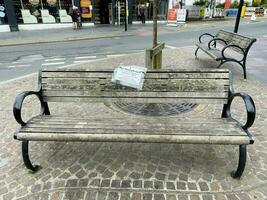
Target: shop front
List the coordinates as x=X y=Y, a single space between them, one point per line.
x=42 y=14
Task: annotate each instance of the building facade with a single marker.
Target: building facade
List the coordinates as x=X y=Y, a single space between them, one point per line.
x=37 y=12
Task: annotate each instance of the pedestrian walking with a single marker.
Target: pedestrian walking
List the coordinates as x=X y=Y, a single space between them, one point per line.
x=142 y=11
x=75 y=16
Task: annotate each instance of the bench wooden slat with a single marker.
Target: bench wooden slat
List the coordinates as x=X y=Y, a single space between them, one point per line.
x=84 y=93
x=96 y=86
x=180 y=130
x=178 y=139
x=148 y=82
x=137 y=100
x=221 y=74
x=59 y=119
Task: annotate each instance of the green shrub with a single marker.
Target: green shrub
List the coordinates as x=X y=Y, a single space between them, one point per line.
x=256 y=3
x=200 y=3
x=220 y=5
x=235 y=4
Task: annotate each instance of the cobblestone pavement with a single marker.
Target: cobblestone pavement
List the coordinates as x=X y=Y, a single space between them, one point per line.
x=79 y=171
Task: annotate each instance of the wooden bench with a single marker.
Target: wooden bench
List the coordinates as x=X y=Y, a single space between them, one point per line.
x=226 y=47
x=162 y=86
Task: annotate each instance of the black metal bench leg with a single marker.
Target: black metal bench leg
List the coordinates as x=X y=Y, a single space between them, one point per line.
x=196 y=52
x=244 y=69
x=25 y=156
x=221 y=63
x=241 y=163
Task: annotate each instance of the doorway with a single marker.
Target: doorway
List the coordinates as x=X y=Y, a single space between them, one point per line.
x=104 y=12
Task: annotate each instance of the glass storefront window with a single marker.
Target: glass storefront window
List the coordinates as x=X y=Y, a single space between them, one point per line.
x=43 y=11
x=3 y=17
x=162 y=9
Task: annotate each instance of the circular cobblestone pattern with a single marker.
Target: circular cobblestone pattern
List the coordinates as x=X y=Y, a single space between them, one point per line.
x=156 y=109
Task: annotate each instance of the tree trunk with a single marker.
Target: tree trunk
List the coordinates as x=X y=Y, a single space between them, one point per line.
x=155 y=31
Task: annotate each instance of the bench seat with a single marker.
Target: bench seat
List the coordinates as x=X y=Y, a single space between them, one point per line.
x=121 y=129
x=225 y=47
x=160 y=87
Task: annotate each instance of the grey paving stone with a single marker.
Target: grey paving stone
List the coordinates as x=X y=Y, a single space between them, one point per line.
x=183 y=177
x=135 y=175
x=113 y=196
x=21 y=192
x=243 y=196
x=231 y=197
x=171 y=197
x=160 y=176
x=81 y=173
x=56 y=173
x=192 y=186
x=105 y=183
x=172 y=177
x=220 y=197
x=194 y=197
x=181 y=185
x=9 y=196
x=159 y=197
x=65 y=175
x=92 y=175
x=73 y=169
x=45 y=196
x=148 y=184
x=107 y=174
x=158 y=184
x=203 y=186
x=83 y=182
x=36 y=188
x=69 y=194
x=72 y=183
x=116 y=183
x=183 y=197
x=95 y=182
x=126 y=184
x=101 y=195
x=207 y=197
x=91 y=195
x=170 y=185
x=151 y=168
x=147 y=175
x=147 y=196
x=136 y=196
x=122 y=173
x=101 y=168
x=59 y=183
x=125 y=196
x=137 y=184
x=46 y=178
x=47 y=186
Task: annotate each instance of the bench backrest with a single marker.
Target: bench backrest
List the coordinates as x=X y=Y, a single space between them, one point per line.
x=236 y=39
x=70 y=85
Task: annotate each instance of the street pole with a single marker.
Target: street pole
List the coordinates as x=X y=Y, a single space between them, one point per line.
x=155 y=25
x=126 y=13
x=241 y=2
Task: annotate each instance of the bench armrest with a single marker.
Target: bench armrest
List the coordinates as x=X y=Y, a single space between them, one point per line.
x=205 y=34
x=250 y=107
x=233 y=46
x=214 y=40
x=17 y=106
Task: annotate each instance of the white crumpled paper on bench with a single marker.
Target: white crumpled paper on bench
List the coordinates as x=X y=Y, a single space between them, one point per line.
x=131 y=76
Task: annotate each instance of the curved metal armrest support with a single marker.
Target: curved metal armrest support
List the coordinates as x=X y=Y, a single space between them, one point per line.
x=18 y=105
x=204 y=34
x=233 y=46
x=250 y=107
x=213 y=42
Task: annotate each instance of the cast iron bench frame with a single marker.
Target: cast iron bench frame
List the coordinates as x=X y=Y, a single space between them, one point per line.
x=57 y=80
x=229 y=40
